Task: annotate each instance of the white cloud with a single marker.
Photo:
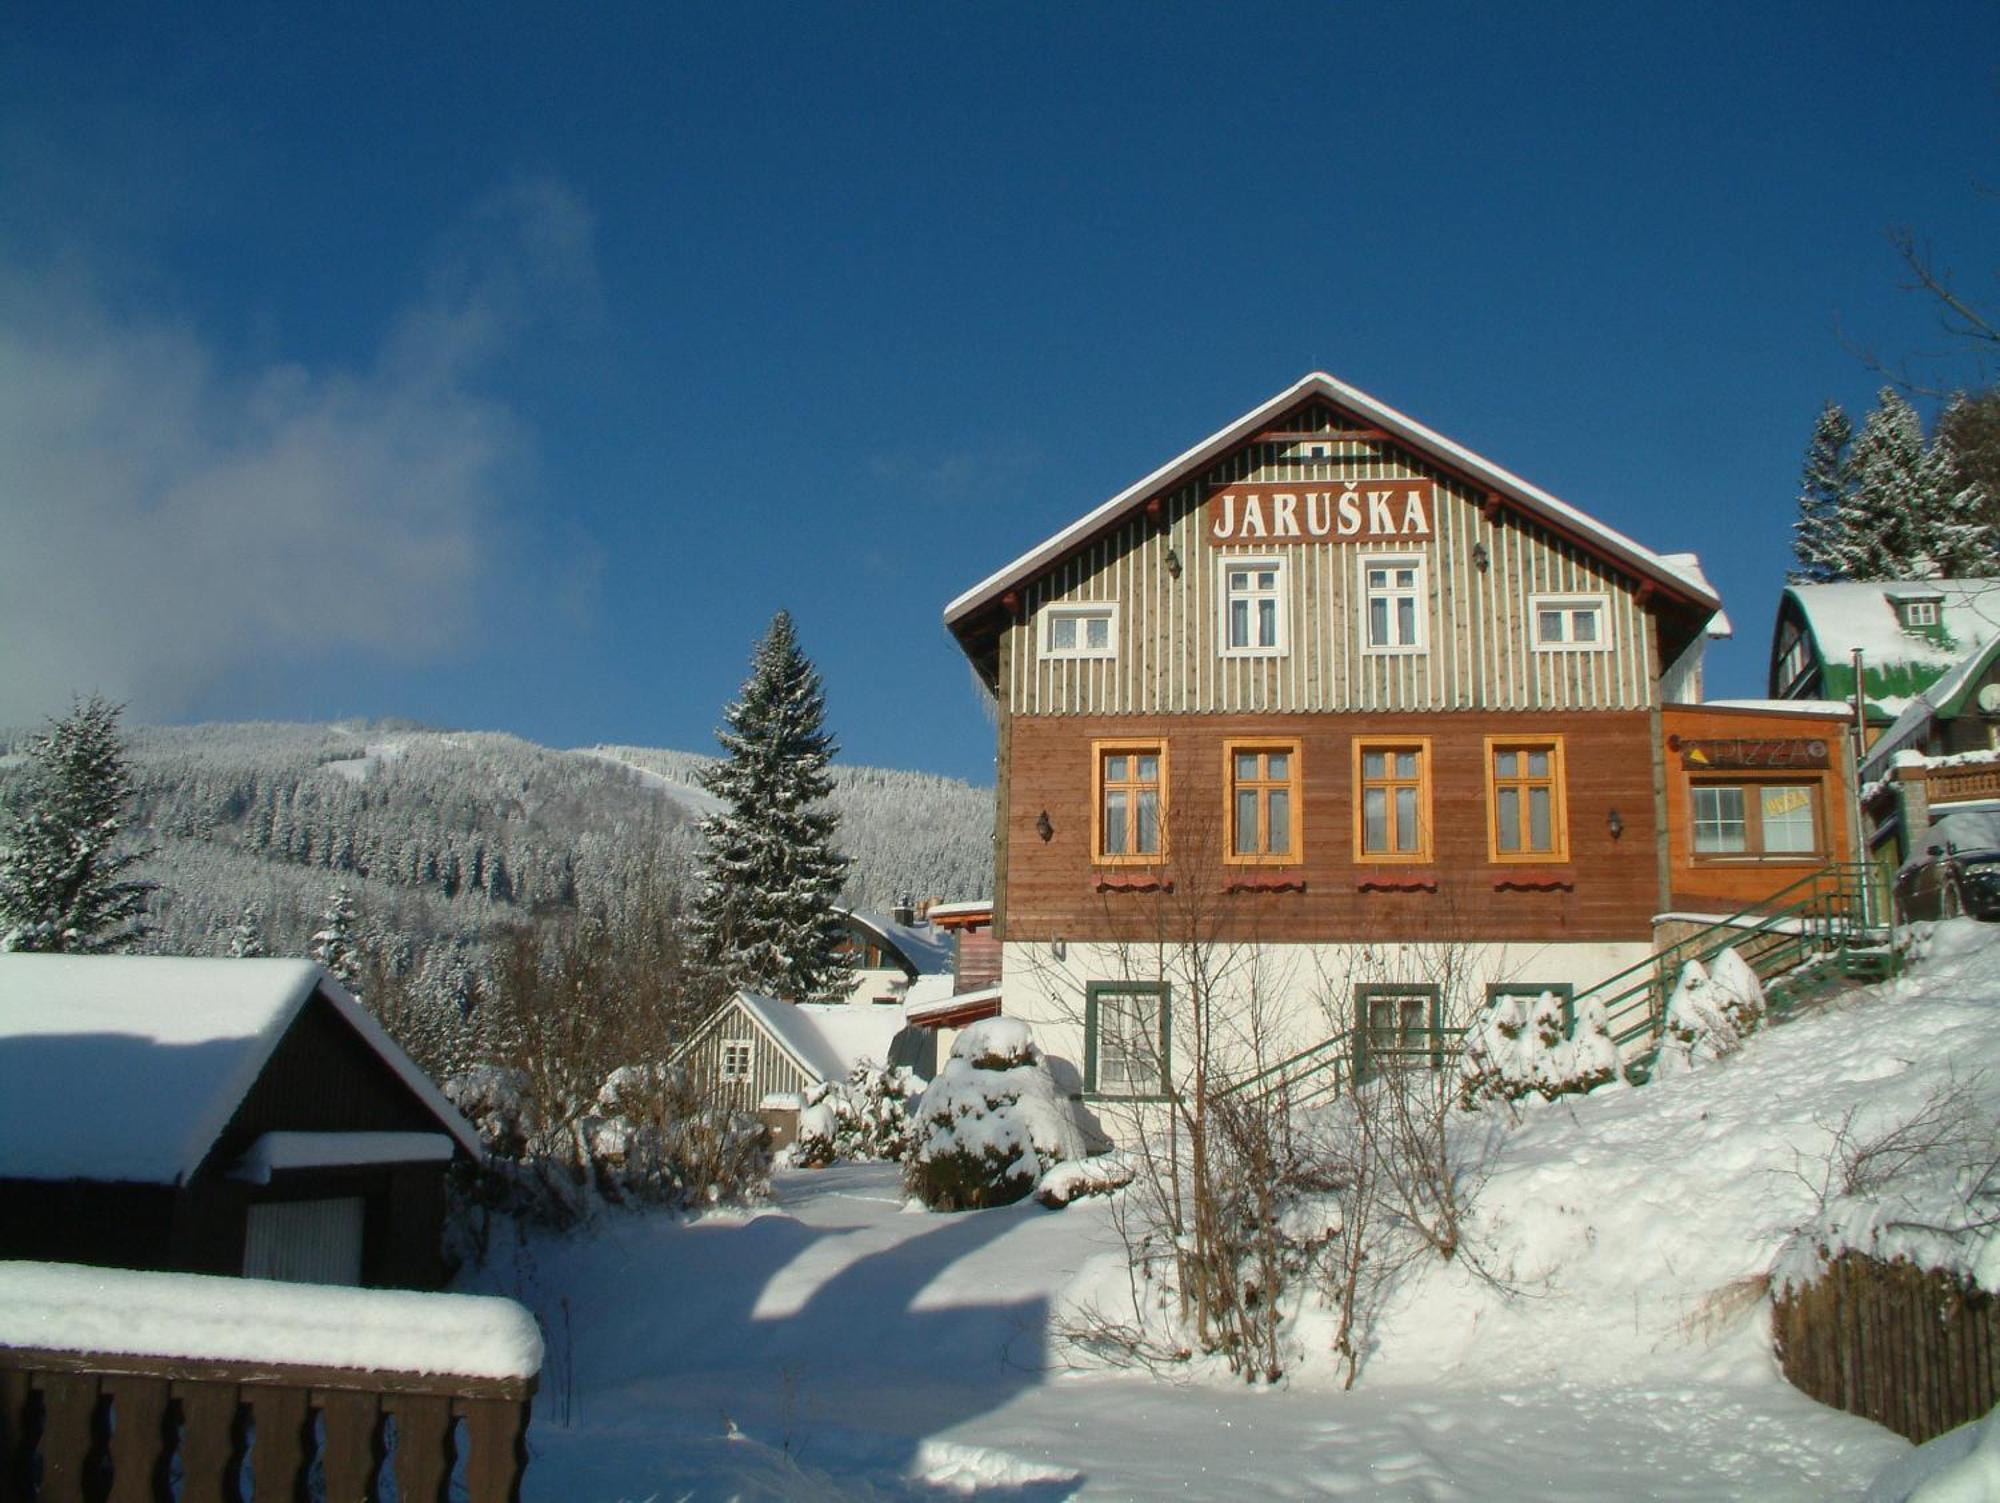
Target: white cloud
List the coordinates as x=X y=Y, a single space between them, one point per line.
x=164 y=520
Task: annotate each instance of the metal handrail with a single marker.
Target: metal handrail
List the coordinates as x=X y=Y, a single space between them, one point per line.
x=1823 y=905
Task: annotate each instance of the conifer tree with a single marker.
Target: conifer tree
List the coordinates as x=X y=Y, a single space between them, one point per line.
x=64 y=882
x=1822 y=490
x=246 y=941
x=1885 y=526
x=770 y=872
x=334 y=945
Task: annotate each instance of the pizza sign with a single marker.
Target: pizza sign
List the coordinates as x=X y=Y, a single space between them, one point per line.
x=1742 y=753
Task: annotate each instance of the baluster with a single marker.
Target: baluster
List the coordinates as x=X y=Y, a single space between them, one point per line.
x=210 y=1453
x=20 y=1411
x=352 y=1458
x=282 y=1449
x=424 y=1451
x=68 y=1421
x=497 y=1431
x=139 y=1435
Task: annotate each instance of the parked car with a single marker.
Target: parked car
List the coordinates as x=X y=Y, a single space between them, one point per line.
x=1955 y=869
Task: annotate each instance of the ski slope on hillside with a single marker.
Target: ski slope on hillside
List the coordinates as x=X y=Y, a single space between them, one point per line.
x=843 y=1345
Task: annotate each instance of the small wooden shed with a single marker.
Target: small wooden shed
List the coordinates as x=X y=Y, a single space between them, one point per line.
x=216 y=1116
x=762 y=1055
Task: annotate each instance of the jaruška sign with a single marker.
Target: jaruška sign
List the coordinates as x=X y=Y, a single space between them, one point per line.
x=1362 y=511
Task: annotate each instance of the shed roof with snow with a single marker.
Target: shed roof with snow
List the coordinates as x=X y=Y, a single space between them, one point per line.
x=130 y=1068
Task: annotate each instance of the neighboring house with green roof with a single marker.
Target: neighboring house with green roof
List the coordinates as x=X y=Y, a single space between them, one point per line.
x=1911 y=633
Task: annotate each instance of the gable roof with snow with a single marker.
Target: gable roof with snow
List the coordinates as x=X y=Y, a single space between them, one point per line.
x=1898 y=662
x=971 y=615
x=1948 y=696
x=825 y=1040
x=130 y=1067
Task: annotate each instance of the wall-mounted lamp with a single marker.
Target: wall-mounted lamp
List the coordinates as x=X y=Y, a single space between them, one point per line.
x=1059 y=947
x=1173 y=563
x=1043 y=828
x=1615 y=823
x=1481 y=559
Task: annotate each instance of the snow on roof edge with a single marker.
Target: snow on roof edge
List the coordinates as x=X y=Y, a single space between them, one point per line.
x=392 y=1055
x=1046 y=552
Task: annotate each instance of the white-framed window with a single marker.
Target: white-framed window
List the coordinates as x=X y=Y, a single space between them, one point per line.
x=1794 y=658
x=1392 y=603
x=736 y=1055
x=1774 y=820
x=1920 y=613
x=1125 y=1038
x=1253 y=606
x=1080 y=631
x=1571 y=623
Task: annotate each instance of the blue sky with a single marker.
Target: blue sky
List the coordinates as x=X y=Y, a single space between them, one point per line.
x=507 y=367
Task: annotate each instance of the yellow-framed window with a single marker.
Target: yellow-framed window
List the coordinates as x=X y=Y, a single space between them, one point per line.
x=1392 y=799
x=1527 y=805
x=1261 y=802
x=1129 y=795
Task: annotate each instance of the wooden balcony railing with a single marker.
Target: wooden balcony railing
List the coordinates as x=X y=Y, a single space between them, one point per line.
x=1957 y=785
x=77 y=1426
x=118 y=1386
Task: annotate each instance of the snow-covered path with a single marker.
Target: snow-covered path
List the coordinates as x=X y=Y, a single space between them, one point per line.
x=840 y=1346
x=856 y=1350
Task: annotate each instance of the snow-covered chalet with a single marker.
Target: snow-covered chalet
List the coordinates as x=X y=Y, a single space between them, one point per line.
x=1373 y=721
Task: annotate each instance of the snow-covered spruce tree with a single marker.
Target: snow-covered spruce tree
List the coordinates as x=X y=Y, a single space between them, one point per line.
x=246 y=940
x=1822 y=491
x=770 y=872
x=1965 y=454
x=335 y=945
x=63 y=878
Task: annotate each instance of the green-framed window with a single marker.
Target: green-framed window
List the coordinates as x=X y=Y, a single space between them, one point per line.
x=1128 y=1030
x=1397 y=1026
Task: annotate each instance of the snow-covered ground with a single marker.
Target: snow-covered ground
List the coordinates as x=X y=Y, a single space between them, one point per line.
x=841 y=1345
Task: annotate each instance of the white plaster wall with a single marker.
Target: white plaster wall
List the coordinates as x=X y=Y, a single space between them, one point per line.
x=1271 y=1001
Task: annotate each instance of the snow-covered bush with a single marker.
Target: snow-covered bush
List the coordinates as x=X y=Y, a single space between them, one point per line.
x=1518 y=1048
x=865 y=1118
x=991 y=1123
x=1710 y=1014
x=1084 y=1177
x=652 y=1137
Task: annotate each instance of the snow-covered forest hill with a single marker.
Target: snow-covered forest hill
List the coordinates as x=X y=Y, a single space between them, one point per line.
x=444 y=838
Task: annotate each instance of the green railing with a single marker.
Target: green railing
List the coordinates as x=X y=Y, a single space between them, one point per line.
x=1826 y=913
x=1830 y=913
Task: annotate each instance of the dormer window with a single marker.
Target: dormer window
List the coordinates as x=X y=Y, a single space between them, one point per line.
x=1918 y=614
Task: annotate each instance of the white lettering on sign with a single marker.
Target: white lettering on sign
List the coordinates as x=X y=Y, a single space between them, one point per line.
x=1361 y=509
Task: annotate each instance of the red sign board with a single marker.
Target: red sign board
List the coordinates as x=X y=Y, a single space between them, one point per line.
x=1318 y=511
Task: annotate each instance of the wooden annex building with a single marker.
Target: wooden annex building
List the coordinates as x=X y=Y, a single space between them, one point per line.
x=216 y=1116
x=1337 y=695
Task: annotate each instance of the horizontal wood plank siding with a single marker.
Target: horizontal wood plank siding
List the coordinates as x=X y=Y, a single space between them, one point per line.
x=1608 y=890
x=1480 y=653
x=1727 y=886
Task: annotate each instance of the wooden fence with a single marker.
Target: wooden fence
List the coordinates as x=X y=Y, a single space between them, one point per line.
x=97 y=1428
x=1913 y=1350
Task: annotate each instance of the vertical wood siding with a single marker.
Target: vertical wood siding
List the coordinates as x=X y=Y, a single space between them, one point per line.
x=1478 y=623
x=770 y=1068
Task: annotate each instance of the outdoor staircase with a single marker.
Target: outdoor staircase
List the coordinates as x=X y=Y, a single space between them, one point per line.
x=1820 y=935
